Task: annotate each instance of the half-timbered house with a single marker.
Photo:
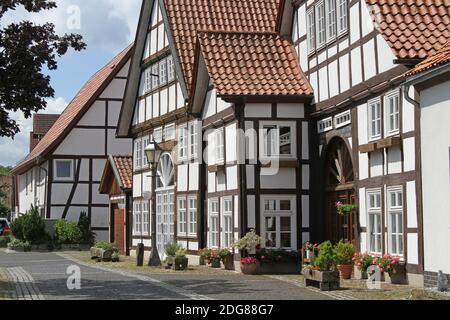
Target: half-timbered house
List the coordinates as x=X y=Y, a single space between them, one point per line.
x=61 y=175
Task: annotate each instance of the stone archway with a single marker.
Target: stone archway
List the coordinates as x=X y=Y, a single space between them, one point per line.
x=339 y=186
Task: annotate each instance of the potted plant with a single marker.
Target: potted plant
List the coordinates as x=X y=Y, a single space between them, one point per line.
x=362 y=261
x=171 y=251
x=249 y=265
x=204 y=256
x=345 y=209
x=227 y=258
x=394 y=267
x=321 y=271
x=344 y=254
x=181 y=261
x=103 y=251
x=214 y=259
x=249 y=243
x=309 y=249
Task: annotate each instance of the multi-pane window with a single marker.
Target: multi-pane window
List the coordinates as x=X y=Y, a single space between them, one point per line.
x=311 y=32
x=278 y=140
x=321 y=24
x=278 y=223
x=145 y=143
x=63 y=171
x=342 y=16
x=193 y=136
x=182 y=218
x=155 y=77
x=137 y=218
x=374 y=119
x=219 y=146
x=395 y=220
x=137 y=154
x=170 y=69
x=145 y=218
x=392 y=112
x=374 y=220
x=169 y=132
x=163 y=72
x=192 y=216
x=148 y=79
x=214 y=223
x=331 y=19
x=227 y=223
x=182 y=143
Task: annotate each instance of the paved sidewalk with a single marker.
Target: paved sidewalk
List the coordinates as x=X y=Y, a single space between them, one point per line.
x=25 y=289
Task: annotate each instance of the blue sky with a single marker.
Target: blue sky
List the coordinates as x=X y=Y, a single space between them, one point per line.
x=108 y=26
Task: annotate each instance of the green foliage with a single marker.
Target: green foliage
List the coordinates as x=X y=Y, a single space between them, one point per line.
x=344 y=252
x=4 y=171
x=326 y=258
x=84 y=224
x=266 y=255
x=4 y=240
x=30 y=227
x=249 y=242
x=224 y=253
x=115 y=257
x=205 y=253
x=172 y=248
x=67 y=232
x=26 y=48
x=181 y=253
x=106 y=245
x=16 y=243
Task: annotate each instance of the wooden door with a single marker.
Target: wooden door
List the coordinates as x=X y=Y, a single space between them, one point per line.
x=119 y=229
x=339 y=227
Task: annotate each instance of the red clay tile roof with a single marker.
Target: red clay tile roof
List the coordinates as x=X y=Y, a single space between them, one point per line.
x=439 y=58
x=186 y=17
x=413 y=28
x=43 y=122
x=92 y=88
x=252 y=64
x=124 y=166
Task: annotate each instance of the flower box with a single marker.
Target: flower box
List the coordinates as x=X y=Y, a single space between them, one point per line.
x=180 y=263
x=359 y=274
x=325 y=280
x=399 y=275
x=249 y=268
x=228 y=263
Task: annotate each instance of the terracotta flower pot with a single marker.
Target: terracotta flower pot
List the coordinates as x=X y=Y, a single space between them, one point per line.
x=345 y=271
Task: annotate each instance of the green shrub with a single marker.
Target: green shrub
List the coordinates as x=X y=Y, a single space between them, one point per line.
x=181 y=253
x=19 y=243
x=106 y=245
x=30 y=228
x=325 y=261
x=67 y=232
x=115 y=257
x=344 y=252
x=4 y=240
x=224 y=253
x=84 y=224
x=172 y=248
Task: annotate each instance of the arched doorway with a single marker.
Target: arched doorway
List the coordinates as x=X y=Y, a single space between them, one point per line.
x=339 y=186
x=165 y=203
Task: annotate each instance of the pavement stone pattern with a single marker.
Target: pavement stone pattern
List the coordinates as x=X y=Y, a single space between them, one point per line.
x=25 y=288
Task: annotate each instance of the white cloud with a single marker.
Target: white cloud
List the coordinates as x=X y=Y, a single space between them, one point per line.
x=12 y=151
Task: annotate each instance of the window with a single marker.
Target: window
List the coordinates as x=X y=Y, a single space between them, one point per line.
x=148 y=78
x=163 y=72
x=145 y=143
x=342 y=119
x=193 y=132
x=182 y=143
x=158 y=135
x=342 y=16
x=331 y=19
x=145 y=218
x=155 y=78
x=325 y=125
x=137 y=154
x=214 y=223
x=374 y=119
x=182 y=221
x=311 y=30
x=374 y=215
x=278 y=223
x=170 y=69
x=321 y=24
x=169 y=132
x=227 y=223
x=137 y=222
x=395 y=220
x=193 y=216
x=277 y=140
x=219 y=146
x=63 y=170
x=392 y=111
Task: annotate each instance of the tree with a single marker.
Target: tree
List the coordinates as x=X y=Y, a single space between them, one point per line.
x=25 y=48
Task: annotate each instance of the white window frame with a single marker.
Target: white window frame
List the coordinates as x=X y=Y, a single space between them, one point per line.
x=158 y=135
x=331 y=19
x=342 y=7
x=387 y=114
x=182 y=143
x=219 y=146
x=137 y=154
x=155 y=79
x=371 y=120
x=137 y=218
x=162 y=72
x=398 y=211
x=170 y=69
x=55 y=171
x=193 y=139
x=213 y=234
x=227 y=228
x=192 y=216
x=325 y=125
x=311 y=30
x=263 y=143
x=182 y=213
x=321 y=22
x=169 y=132
x=342 y=119
x=145 y=142
x=276 y=212
x=376 y=212
x=148 y=80
x=145 y=218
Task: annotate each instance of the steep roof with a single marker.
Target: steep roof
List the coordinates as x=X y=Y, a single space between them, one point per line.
x=414 y=29
x=77 y=107
x=117 y=175
x=186 y=17
x=252 y=64
x=439 y=58
x=124 y=167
